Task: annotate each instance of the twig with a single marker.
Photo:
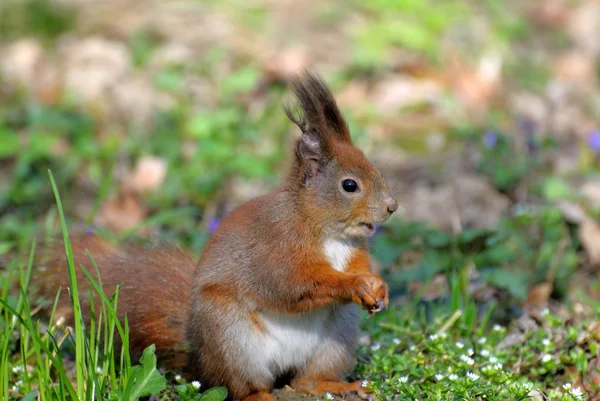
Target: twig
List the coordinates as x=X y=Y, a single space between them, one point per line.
x=449 y=322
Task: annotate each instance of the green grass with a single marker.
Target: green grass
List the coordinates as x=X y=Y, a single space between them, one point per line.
x=37 y=368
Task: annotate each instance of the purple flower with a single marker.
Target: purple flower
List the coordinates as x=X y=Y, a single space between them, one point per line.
x=526 y=125
x=490 y=139
x=213 y=224
x=89 y=230
x=594 y=141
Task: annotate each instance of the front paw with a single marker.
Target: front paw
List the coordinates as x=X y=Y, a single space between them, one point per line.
x=371 y=292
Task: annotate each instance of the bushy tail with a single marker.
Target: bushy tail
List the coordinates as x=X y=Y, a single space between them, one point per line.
x=155 y=290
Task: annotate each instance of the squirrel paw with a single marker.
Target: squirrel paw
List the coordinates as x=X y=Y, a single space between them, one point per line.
x=260 y=396
x=371 y=292
x=316 y=387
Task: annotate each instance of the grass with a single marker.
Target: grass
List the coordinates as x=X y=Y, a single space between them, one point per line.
x=33 y=365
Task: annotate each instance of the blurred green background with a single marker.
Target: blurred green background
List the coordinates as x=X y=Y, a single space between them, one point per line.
x=158 y=117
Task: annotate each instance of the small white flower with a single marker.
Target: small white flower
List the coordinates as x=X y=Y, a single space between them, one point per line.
x=439 y=377
x=453 y=377
x=365 y=383
x=15 y=389
x=470 y=351
x=467 y=360
x=545 y=312
x=328 y=396
x=498 y=366
x=546 y=358
x=396 y=341
x=375 y=347
x=403 y=379
x=546 y=342
x=497 y=327
x=196 y=384
x=576 y=392
x=413 y=348
x=482 y=340
x=433 y=337
x=567 y=386
x=485 y=353
x=19 y=383
x=177 y=378
x=444 y=335
x=17 y=369
x=472 y=376
x=99 y=370
x=459 y=345
x=493 y=359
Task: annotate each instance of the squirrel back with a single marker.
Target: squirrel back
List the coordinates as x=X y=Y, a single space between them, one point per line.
x=155 y=290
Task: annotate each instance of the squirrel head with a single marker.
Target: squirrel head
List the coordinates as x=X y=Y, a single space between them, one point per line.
x=339 y=191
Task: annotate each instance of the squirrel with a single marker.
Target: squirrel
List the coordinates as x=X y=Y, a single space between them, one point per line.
x=279 y=284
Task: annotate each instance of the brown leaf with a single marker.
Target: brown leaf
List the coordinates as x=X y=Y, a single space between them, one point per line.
x=122 y=212
x=149 y=174
x=589 y=234
x=402 y=91
x=575 y=68
x=539 y=294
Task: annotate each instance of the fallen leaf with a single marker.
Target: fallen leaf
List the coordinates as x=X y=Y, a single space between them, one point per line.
x=403 y=91
x=92 y=65
x=121 y=212
x=575 y=68
x=539 y=294
x=19 y=62
x=589 y=234
x=148 y=175
x=583 y=27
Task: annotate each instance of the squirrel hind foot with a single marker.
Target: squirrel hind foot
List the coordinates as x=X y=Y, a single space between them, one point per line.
x=260 y=396
x=316 y=387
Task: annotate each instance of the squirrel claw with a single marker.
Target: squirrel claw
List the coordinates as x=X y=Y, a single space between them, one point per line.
x=378 y=307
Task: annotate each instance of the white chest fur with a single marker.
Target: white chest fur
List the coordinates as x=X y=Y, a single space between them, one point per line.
x=293 y=340
x=338 y=253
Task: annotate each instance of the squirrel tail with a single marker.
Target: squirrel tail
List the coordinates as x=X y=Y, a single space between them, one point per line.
x=154 y=294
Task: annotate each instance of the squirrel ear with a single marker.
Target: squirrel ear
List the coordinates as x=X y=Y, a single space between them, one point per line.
x=311 y=151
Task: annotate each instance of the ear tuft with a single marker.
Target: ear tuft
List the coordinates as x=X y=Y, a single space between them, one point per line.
x=319 y=112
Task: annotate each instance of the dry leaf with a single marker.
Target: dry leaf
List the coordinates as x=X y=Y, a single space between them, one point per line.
x=19 y=62
x=591 y=192
x=122 y=212
x=280 y=65
x=589 y=234
x=539 y=294
x=575 y=68
x=476 y=88
x=402 y=91
x=148 y=175
x=584 y=27
x=93 y=65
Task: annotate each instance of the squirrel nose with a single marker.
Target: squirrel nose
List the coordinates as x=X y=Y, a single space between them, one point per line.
x=392 y=205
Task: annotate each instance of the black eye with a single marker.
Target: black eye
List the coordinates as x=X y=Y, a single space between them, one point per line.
x=349 y=185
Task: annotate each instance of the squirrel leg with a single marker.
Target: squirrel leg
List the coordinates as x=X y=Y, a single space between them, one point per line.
x=335 y=356
x=260 y=396
x=316 y=386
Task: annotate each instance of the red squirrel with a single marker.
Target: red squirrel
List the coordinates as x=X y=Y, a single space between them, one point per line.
x=278 y=286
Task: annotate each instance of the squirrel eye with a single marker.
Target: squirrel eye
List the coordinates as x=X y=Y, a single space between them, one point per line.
x=349 y=185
